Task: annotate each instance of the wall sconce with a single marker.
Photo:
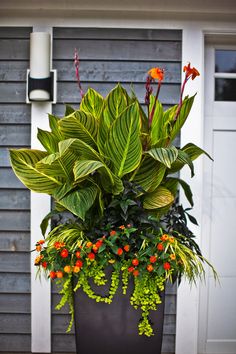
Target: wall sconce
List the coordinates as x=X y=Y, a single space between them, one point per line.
x=41 y=81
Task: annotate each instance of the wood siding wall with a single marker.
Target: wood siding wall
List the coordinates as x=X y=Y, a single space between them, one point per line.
x=109 y=56
x=14 y=198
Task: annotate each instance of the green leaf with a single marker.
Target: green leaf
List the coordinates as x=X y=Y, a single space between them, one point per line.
x=157 y=126
x=48 y=140
x=109 y=181
x=54 y=125
x=116 y=102
x=160 y=198
x=194 y=151
x=80 y=125
x=92 y=103
x=80 y=201
x=183 y=159
x=124 y=145
x=23 y=162
x=186 y=188
x=150 y=174
x=80 y=148
x=69 y=110
x=165 y=155
x=184 y=112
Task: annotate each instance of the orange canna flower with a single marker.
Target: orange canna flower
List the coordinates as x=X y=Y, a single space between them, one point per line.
x=156 y=73
x=190 y=72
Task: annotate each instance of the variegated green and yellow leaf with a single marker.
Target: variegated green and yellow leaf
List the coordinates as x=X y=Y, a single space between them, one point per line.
x=124 y=146
x=182 y=159
x=160 y=198
x=165 y=155
x=80 y=125
x=80 y=148
x=48 y=140
x=23 y=162
x=157 y=125
x=183 y=115
x=80 y=201
x=54 y=125
x=116 y=102
x=109 y=181
x=194 y=151
x=150 y=174
x=92 y=103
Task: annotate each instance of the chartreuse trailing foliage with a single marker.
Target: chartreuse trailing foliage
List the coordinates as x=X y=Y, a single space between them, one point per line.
x=108 y=166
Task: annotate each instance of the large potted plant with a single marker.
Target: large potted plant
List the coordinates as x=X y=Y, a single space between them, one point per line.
x=109 y=168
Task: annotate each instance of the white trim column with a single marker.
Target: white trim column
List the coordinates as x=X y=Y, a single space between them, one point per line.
x=40 y=206
x=188 y=298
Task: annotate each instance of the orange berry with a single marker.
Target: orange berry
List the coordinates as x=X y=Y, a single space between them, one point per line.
x=160 y=247
x=153 y=259
x=64 y=253
x=127 y=248
x=150 y=268
x=67 y=269
x=130 y=269
x=52 y=275
x=164 y=237
x=77 y=254
x=59 y=274
x=135 y=262
x=91 y=255
x=79 y=263
x=166 y=266
x=38 y=248
x=119 y=251
x=76 y=269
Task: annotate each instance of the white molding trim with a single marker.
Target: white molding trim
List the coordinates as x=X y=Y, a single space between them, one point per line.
x=188 y=298
x=40 y=206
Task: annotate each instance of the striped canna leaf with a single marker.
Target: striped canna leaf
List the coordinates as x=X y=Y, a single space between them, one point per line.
x=157 y=126
x=165 y=155
x=23 y=162
x=92 y=103
x=80 y=148
x=54 y=125
x=150 y=174
x=80 y=125
x=116 y=101
x=48 y=140
x=110 y=182
x=160 y=198
x=80 y=201
x=124 y=145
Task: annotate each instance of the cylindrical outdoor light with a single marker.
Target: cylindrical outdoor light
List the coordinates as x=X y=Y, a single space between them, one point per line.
x=40 y=80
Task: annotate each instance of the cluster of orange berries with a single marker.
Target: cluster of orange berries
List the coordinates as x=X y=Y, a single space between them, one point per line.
x=153 y=259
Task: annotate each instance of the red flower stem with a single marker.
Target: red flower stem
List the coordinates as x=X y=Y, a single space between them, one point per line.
x=181 y=98
x=155 y=102
x=76 y=62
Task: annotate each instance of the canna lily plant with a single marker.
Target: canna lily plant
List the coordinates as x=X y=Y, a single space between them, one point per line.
x=110 y=168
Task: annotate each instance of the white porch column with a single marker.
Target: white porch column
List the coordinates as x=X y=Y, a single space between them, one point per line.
x=188 y=298
x=40 y=206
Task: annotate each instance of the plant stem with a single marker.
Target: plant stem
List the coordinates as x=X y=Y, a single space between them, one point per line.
x=154 y=105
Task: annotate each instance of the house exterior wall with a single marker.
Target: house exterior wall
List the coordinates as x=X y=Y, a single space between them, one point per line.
x=108 y=56
x=15 y=309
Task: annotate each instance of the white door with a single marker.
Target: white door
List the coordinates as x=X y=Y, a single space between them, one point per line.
x=217 y=325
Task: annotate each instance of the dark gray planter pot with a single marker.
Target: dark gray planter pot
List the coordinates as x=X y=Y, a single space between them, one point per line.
x=113 y=328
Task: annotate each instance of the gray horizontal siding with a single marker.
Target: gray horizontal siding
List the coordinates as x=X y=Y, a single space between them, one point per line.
x=15 y=311
x=108 y=56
